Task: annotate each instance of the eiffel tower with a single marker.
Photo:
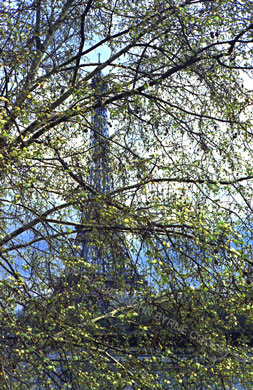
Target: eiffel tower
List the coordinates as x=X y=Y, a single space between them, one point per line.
x=102 y=247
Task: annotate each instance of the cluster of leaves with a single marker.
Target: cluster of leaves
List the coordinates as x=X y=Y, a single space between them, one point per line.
x=179 y=154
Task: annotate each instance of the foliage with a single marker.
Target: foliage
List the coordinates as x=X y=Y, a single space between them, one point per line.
x=179 y=151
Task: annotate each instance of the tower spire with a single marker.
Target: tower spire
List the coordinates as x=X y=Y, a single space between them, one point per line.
x=102 y=247
x=99 y=168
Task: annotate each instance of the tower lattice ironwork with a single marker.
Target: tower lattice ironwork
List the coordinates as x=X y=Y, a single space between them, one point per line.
x=102 y=247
